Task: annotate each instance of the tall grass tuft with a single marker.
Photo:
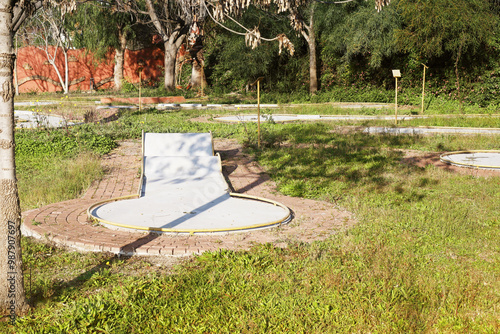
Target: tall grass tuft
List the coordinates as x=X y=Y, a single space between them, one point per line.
x=60 y=179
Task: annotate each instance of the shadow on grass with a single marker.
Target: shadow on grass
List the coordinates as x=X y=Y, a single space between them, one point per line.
x=315 y=160
x=45 y=290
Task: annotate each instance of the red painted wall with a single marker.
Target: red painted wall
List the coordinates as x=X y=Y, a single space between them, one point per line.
x=32 y=61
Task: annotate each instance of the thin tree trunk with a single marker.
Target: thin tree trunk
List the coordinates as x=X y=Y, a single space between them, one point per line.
x=118 y=69
x=16 y=85
x=66 y=71
x=313 y=67
x=53 y=62
x=457 y=62
x=12 y=295
x=310 y=37
x=120 y=60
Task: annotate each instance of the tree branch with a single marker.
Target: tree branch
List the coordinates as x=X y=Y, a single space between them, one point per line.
x=156 y=22
x=22 y=13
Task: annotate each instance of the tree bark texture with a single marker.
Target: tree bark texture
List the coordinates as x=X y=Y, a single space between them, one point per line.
x=310 y=37
x=119 y=60
x=313 y=66
x=66 y=71
x=12 y=295
x=172 y=40
x=197 y=72
x=172 y=44
x=170 y=58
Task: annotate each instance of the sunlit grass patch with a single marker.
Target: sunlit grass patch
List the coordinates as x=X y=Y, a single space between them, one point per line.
x=60 y=179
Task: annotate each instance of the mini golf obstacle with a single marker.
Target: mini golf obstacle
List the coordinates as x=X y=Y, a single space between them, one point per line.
x=473 y=159
x=183 y=191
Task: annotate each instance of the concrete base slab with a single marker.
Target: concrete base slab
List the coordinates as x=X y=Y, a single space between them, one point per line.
x=34 y=120
x=184 y=191
x=294 y=118
x=430 y=130
x=473 y=159
x=189 y=212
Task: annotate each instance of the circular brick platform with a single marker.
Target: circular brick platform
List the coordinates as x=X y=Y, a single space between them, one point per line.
x=66 y=224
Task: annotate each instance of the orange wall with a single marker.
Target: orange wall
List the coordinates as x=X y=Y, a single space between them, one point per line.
x=32 y=61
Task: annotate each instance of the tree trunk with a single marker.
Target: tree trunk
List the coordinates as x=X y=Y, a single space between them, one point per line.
x=12 y=295
x=197 y=73
x=66 y=71
x=313 y=67
x=170 y=57
x=172 y=40
x=310 y=37
x=53 y=61
x=119 y=60
x=16 y=85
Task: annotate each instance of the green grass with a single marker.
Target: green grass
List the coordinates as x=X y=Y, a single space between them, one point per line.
x=57 y=165
x=423 y=258
x=60 y=179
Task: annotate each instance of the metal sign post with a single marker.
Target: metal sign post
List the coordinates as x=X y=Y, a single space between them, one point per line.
x=396 y=74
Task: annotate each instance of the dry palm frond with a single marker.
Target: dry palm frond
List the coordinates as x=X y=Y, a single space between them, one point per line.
x=252 y=38
x=285 y=43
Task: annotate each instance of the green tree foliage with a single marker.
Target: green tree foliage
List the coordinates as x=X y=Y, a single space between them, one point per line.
x=452 y=29
x=97 y=27
x=365 y=34
x=355 y=43
x=433 y=28
x=114 y=31
x=231 y=65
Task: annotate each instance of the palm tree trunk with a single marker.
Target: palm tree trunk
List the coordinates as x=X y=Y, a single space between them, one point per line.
x=12 y=295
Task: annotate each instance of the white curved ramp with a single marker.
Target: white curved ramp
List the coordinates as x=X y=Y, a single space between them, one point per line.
x=178 y=144
x=184 y=191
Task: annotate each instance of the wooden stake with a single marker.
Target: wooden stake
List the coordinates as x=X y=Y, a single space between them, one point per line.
x=140 y=85
x=258 y=114
x=423 y=90
x=396 y=103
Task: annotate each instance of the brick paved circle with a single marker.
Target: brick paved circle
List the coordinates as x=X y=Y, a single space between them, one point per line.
x=66 y=224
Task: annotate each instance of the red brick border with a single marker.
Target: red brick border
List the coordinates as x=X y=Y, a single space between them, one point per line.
x=144 y=100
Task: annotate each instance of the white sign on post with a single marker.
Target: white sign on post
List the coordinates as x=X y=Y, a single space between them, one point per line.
x=396 y=74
